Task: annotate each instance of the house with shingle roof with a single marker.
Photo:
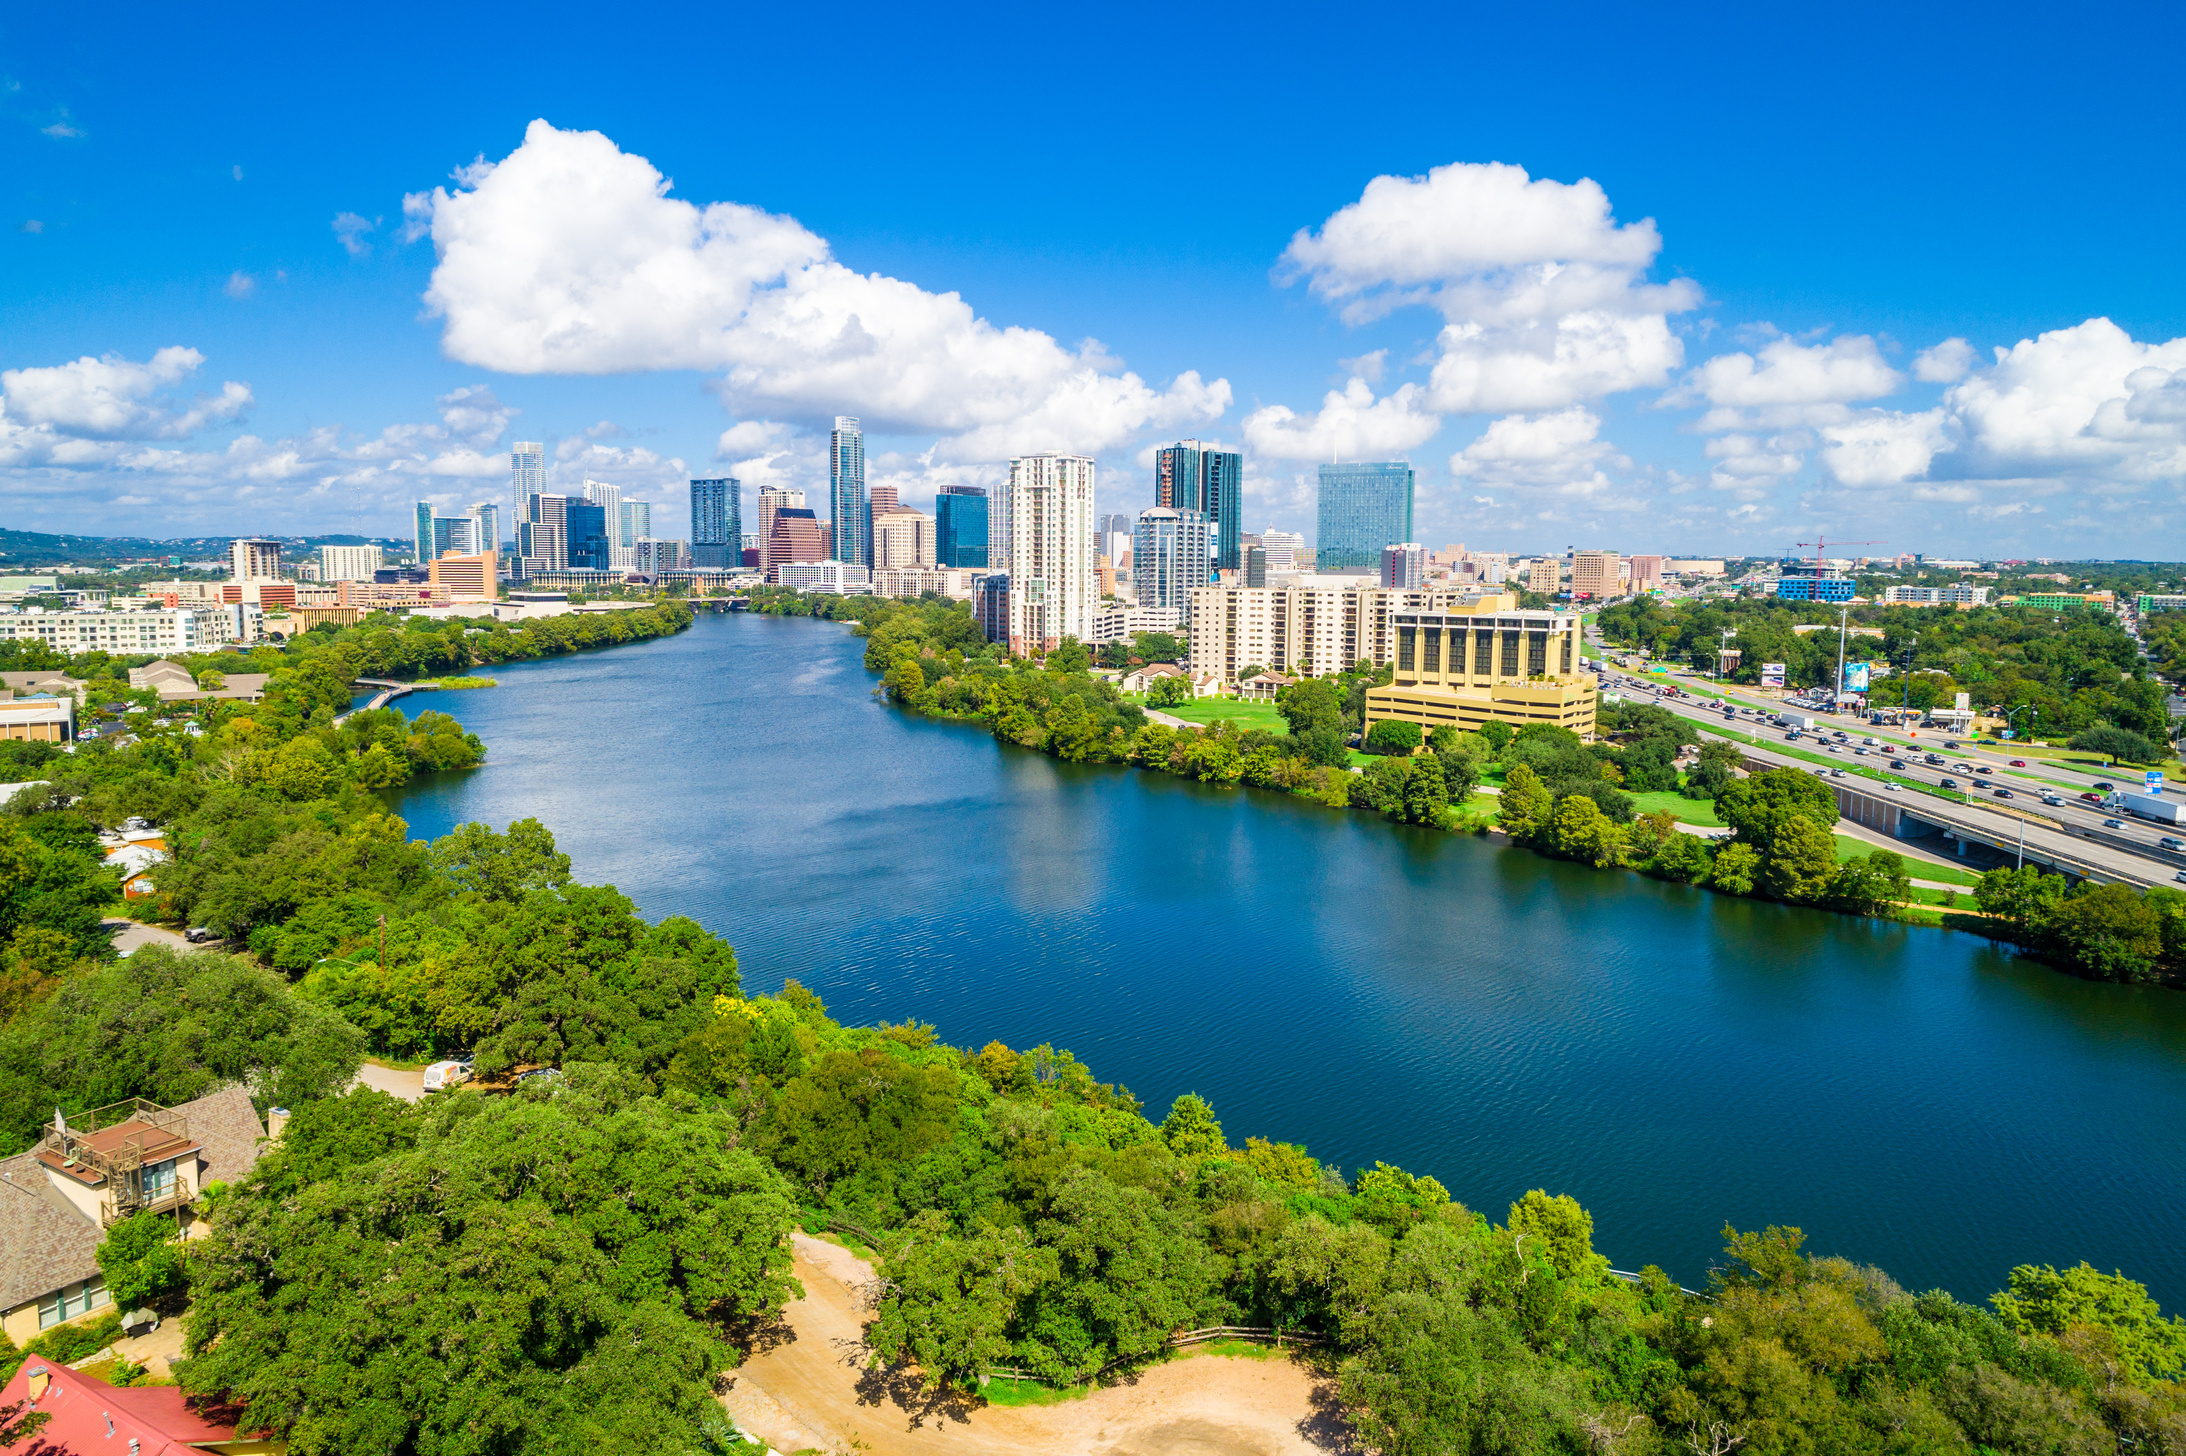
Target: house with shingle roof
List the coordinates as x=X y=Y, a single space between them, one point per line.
x=88 y=1172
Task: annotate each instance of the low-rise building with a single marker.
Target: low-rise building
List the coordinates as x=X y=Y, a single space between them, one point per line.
x=1484 y=661
x=174 y=684
x=58 y=1199
x=2154 y=602
x=38 y=717
x=836 y=578
x=120 y=633
x=2059 y=601
x=912 y=582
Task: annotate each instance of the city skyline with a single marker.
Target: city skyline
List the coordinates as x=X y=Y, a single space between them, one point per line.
x=1559 y=317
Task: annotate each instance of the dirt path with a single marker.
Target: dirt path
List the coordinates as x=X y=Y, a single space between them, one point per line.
x=812 y=1390
x=409 y=1086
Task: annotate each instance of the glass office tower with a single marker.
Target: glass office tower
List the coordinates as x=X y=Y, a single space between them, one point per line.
x=1190 y=476
x=1363 y=507
x=960 y=526
x=591 y=546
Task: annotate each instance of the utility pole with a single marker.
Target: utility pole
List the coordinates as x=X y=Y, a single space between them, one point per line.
x=1844 y=617
x=1906 y=705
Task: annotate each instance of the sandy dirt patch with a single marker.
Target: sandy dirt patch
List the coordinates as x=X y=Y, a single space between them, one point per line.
x=131 y=934
x=808 y=1386
x=409 y=1086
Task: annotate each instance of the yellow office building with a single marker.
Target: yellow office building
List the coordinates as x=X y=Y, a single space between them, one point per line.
x=1484 y=661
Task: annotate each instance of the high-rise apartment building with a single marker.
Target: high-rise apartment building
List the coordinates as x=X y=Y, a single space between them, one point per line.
x=1646 y=573
x=486 y=536
x=1404 y=565
x=466 y=578
x=637 y=524
x=1282 y=548
x=348 y=563
x=1115 y=537
x=1363 y=507
x=422 y=533
x=1256 y=566
x=717 y=522
x=1596 y=575
x=903 y=538
x=1046 y=544
x=542 y=537
x=1169 y=559
x=847 y=507
x=960 y=526
x=527 y=475
x=254 y=558
x=609 y=499
x=1191 y=476
x=991 y=605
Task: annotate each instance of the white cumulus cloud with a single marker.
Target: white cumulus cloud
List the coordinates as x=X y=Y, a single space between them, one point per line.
x=1350 y=425
x=569 y=256
x=1561 y=453
x=1788 y=383
x=1543 y=293
x=112 y=398
x=1946 y=363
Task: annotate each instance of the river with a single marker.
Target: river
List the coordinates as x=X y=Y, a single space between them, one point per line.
x=1674 y=1059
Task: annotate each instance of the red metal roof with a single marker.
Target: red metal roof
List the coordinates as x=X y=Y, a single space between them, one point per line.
x=92 y=1418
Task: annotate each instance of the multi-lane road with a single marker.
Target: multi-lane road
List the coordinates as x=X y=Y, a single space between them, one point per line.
x=2075 y=826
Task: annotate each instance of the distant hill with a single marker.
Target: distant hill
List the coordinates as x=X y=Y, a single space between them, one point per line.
x=27 y=550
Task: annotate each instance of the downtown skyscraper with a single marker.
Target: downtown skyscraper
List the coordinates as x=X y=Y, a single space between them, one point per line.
x=717 y=522
x=849 y=512
x=1190 y=476
x=1363 y=507
x=1045 y=541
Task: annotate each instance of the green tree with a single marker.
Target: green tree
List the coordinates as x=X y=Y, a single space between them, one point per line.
x=1190 y=1129
x=1872 y=884
x=2121 y=744
x=1799 y=861
x=1169 y=690
x=947 y=1304
x=1313 y=703
x=141 y=1258
x=1564 y=1228
x=2043 y=1300
x=1758 y=807
x=1325 y=746
x=1069 y=656
x=475 y=860
x=1526 y=807
x=1498 y=735
x=1581 y=831
x=1129 y=1271
x=1735 y=869
x=561 y=1263
x=1426 y=793
x=1392 y=736
x=855 y=1108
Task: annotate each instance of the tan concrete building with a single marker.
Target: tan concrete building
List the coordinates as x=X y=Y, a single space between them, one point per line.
x=1466 y=664
x=1596 y=575
x=902 y=538
x=1646 y=573
x=37 y=720
x=254 y=559
x=467 y=578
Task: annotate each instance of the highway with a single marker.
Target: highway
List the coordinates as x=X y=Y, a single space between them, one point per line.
x=2072 y=828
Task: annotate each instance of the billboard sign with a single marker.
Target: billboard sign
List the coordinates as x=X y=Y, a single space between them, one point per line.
x=1772 y=674
x=1855 y=677
x=2155 y=781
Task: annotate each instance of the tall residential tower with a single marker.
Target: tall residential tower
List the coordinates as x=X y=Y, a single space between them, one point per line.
x=1045 y=541
x=847 y=507
x=717 y=522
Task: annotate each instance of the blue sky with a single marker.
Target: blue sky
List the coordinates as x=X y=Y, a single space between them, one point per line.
x=1680 y=281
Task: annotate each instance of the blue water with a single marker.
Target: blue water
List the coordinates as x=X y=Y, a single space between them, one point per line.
x=1675 y=1059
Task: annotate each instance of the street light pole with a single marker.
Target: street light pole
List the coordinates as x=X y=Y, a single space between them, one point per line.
x=1844 y=617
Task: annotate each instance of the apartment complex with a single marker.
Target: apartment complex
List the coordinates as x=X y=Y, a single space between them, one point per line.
x=1046 y=531
x=467 y=578
x=837 y=577
x=348 y=563
x=1403 y=565
x=1317 y=630
x=253 y=559
x=1468 y=663
x=1117 y=622
x=130 y=631
x=1961 y=595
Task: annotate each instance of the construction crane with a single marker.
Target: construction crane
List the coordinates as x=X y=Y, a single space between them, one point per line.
x=1819 y=542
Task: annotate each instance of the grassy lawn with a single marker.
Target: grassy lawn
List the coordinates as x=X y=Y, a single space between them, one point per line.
x=1691 y=811
x=1229 y=710
x=1004 y=1390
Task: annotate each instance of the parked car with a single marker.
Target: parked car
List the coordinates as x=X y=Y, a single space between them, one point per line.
x=199 y=934
x=539 y=1074
x=2113 y=823
x=440 y=1076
